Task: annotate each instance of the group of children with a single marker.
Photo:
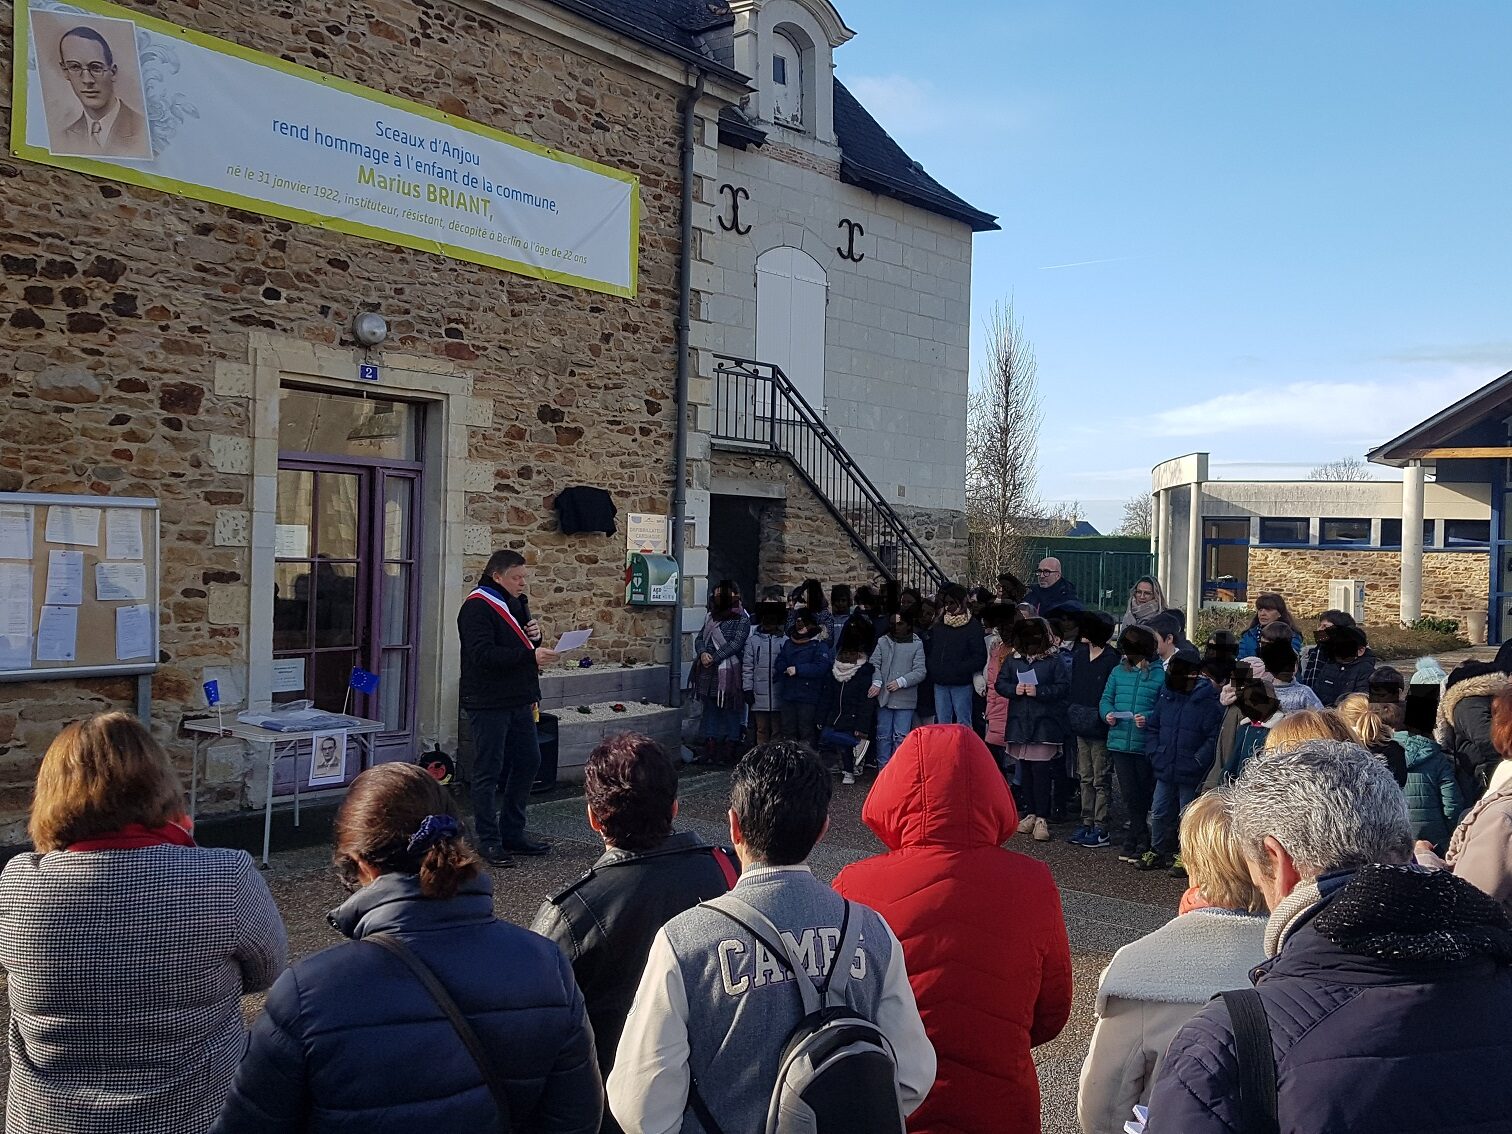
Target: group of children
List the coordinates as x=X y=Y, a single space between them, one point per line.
x=1066 y=699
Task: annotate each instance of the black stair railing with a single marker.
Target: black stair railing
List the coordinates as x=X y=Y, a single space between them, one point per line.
x=757 y=405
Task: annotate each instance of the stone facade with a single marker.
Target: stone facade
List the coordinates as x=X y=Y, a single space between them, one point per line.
x=127 y=319
x=1455 y=583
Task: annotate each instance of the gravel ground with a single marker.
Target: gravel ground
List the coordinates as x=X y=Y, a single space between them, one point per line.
x=1107 y=903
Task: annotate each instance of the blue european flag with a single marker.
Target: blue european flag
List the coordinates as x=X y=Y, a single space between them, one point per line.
x=363 y=681
x=212 y=692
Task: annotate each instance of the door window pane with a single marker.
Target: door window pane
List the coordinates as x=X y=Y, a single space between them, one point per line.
x=1335 y=533
x=291 y=607
x=1226 y=529
x=1467 y=533
x=394 y=604
x=313 y=422
x=337 y=500
x=393 y=692
x=398 y=493
x=1391 y=533
x=1283 y=531
x=328 y=683
x=335 y=586
x=296 y=497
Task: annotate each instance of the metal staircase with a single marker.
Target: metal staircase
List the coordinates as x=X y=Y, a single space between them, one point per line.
x=757 y=407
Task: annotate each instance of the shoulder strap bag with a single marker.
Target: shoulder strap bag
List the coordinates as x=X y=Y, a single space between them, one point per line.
x=1257 y=1062
x=459 y=1022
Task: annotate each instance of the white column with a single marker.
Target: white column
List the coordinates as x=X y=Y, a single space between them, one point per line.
x=1412 y=542
x=1162 y=537
x=1194 y=559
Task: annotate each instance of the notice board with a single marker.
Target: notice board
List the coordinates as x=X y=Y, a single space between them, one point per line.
x=78 y=586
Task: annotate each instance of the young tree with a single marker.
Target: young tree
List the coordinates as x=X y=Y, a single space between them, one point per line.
x=1002 y=446
x=1138 y=516
x=1345 y=468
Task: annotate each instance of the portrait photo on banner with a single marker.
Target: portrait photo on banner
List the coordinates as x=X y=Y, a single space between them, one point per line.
x=328 y=758
x=94 y=99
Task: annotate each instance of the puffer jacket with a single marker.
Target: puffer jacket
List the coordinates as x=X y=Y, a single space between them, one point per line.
x=1131 y=690
x=1387 y=1006
x=893 y=660
x=1333 y=680
x=1249 y=642
x=812 y=660
x=844 y=705
x=1464 y=730
x=997 y=704
x=758 y=671
x=1040 y=719
x=1181 y=733
x=992 y=977
x=1480 y=850
x=1433 y=797
x=351 y=1040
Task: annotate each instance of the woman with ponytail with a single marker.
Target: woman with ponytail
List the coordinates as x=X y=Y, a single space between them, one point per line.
x=434 y=1014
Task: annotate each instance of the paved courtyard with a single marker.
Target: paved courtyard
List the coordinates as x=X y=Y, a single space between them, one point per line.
x=1107 y=903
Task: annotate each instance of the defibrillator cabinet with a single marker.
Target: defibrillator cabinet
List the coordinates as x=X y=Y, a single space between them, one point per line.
x=651 y=580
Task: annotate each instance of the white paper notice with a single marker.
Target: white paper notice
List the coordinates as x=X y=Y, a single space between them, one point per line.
x=123 y=533
x=291 y=541
x=289 y=675
x=573 y=640
x=121 y=582
x=133 y=632
x=15 y=616
x=57 y=633
x=65 y=578
x=75 y=524
x=15 y=531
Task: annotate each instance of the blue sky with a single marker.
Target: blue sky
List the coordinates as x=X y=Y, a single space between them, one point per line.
x=1301 y=213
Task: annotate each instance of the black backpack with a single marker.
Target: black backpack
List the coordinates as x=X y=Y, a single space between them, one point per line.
x=838 y=1073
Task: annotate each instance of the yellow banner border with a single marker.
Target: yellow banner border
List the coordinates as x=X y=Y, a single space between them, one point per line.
x=112 y=172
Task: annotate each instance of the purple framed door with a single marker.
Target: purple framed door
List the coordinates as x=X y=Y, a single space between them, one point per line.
x=346 y=586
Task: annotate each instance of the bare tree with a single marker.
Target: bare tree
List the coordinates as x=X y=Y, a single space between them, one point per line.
x=1002 y=446
x=1345 y=468
x=1138 y=516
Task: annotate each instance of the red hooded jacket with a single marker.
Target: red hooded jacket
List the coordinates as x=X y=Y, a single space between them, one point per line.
x=981 y=928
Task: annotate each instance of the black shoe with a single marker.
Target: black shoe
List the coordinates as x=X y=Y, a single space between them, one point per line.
x=528 y=847
x=495 y=856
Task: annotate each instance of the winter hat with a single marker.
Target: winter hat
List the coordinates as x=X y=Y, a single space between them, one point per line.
x=1428 y=672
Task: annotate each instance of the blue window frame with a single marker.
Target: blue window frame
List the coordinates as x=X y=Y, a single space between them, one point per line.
x=1286 y=530
x=1344 y=533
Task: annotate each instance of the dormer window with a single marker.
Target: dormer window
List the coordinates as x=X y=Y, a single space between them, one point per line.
x=787 y=81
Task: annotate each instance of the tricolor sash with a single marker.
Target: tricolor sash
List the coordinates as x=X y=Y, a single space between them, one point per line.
x=505 y=613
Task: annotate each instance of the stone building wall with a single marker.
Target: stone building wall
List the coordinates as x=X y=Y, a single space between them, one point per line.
x=1455 y=583
x=125 y=313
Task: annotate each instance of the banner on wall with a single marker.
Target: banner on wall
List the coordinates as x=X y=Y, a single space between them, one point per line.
x=111 y=92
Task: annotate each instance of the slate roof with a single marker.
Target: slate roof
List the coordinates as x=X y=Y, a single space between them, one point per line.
x=870 y=158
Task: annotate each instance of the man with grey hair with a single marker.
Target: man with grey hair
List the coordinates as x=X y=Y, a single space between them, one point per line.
x=1386 y=987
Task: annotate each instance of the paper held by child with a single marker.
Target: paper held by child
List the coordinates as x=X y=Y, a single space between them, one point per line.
x=1028 y=677
x=1123 y=716
x=573 y=640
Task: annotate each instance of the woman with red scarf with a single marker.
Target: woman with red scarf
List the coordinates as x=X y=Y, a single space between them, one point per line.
x=127 y=946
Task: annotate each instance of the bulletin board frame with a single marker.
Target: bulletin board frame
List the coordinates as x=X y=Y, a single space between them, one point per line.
x=95 y=644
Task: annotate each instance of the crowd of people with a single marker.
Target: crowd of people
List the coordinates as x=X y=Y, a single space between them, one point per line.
x=1341 y=959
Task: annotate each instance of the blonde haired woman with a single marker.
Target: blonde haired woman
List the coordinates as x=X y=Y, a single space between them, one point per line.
x=1375 y=733
x=1154 y=985
x=1309 y=724
x=127 y=946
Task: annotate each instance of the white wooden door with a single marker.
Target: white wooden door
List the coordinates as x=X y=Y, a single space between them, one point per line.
x=791 y=297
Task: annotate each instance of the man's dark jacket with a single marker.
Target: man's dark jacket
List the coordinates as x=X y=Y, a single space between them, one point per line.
x=1046 y=599
x=498 y=671
x=1388 y=1012
x=1334 y=680
x=605 y=922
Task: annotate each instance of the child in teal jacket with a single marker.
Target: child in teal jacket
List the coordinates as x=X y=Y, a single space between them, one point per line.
x=1129 y=695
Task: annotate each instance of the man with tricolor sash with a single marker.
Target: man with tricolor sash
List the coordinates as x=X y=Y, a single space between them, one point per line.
x=502 y=658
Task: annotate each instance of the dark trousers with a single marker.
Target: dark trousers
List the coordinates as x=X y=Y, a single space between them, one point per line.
x=798 y=719
x=1136 y=783
x=1038 y=776
x=506 y=758
x=1171 y=799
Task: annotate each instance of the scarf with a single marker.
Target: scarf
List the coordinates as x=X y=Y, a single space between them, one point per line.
x=720 y=682
x=956 y=621
x=1289 y=915
x=845 y=670
x=135 y=836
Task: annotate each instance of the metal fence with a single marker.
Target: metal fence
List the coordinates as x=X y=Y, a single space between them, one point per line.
x=1103 y=579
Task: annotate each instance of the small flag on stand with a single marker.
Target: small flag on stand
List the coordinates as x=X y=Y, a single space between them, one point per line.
x=212 y=692
x=363 y=681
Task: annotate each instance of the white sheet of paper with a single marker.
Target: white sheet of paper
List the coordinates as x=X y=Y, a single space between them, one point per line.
x=65 y=578
x=328 y=758
x=291 y=541
x=133 y=632
x=15 y=651
x=15 y=531
x=123 y=533
x=289 y=675
x=1028 y=677
x=573 y=640
x=15 y=616
x=121 y=582
x=58 y=633
x=73 y=523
